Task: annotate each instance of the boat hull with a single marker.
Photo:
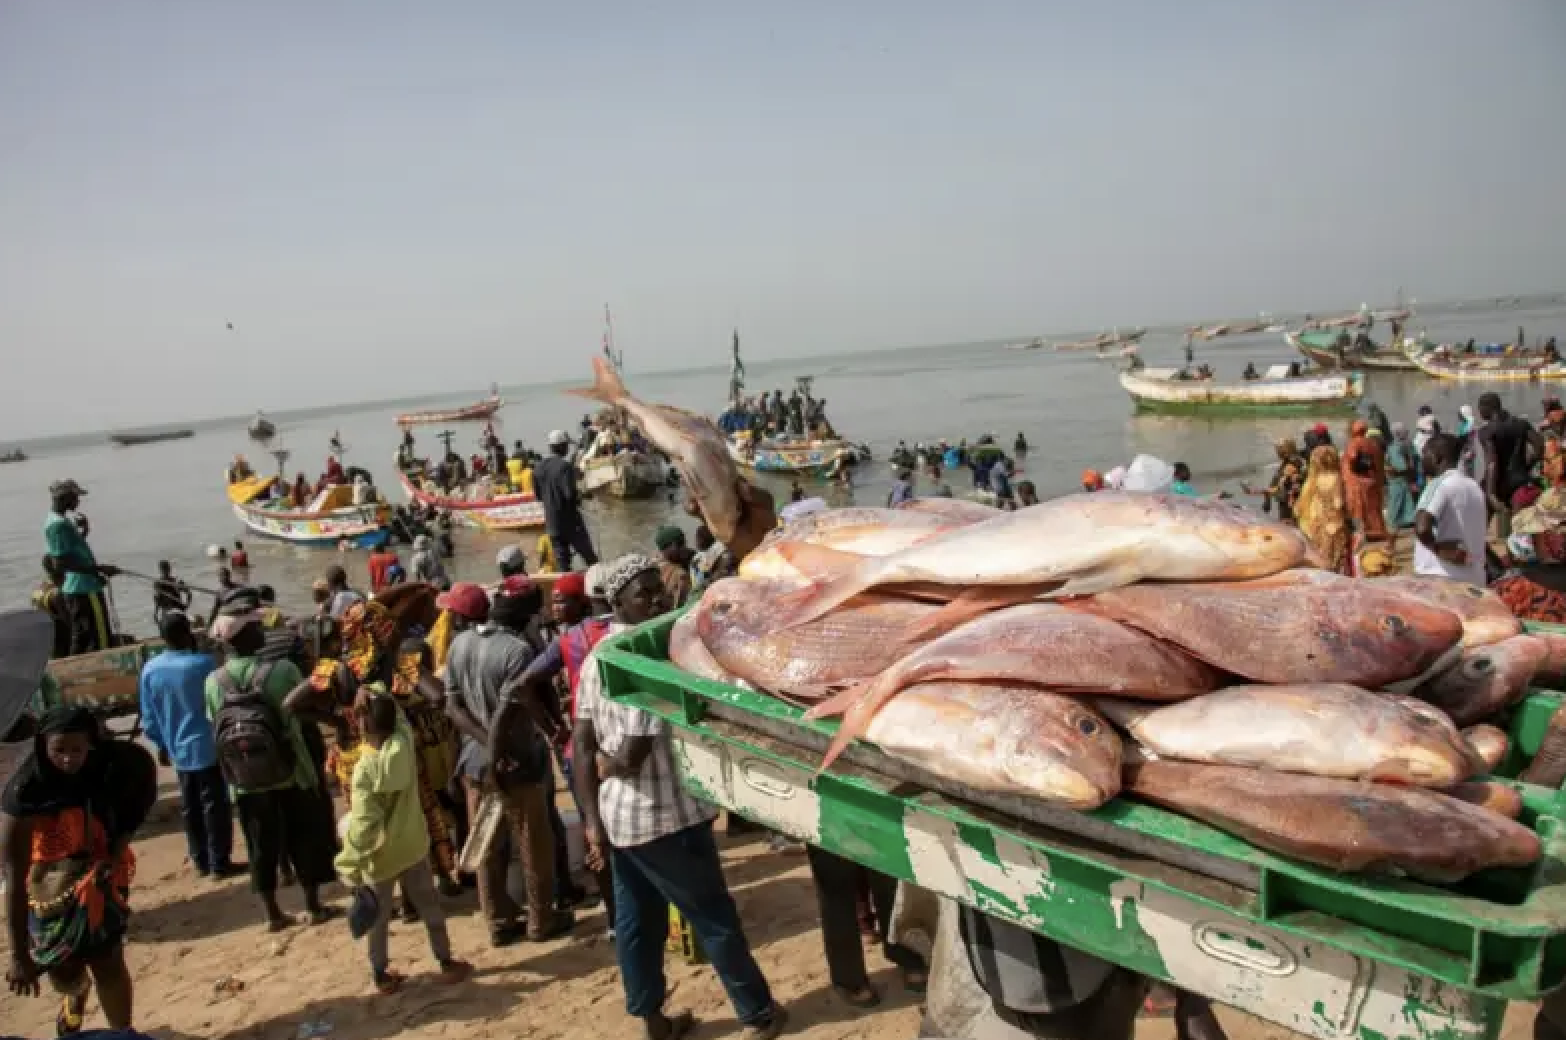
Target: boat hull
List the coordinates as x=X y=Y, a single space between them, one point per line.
x=1318 y=348
x=1489 y=370
x=630 y=474
x=504 y=513
x=105 y=681
x=812 y=459
x=130 y=440
x=1324 y=395
x=362 y=527
x=472 y=413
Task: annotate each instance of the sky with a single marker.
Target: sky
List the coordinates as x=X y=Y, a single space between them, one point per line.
x=387 y=197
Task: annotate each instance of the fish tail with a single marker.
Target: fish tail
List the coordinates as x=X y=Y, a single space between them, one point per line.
x=838 y=703
x=607 y=386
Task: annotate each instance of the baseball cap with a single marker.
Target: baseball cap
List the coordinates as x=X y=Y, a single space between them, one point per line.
x=465 y=599
x=510 y=556
x=558 y=437
x=66 y=487
x=571 y=584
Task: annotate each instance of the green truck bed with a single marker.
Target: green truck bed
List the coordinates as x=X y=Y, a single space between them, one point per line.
x=1327 y=955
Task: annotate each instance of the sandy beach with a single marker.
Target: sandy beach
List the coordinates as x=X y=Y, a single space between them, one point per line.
x=205 y=968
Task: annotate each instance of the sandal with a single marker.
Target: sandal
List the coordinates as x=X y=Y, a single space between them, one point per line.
x=453 y=971
x=863 y=999
x=387 y=983
x=69 y=1021
x=321 y=915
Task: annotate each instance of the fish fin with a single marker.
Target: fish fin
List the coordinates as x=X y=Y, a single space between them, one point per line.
x=819 y=563
x=607 y=386
x=1124 y=713
x=970 y=603
x=1101 y=580
x=837 y=703
x=816 y=600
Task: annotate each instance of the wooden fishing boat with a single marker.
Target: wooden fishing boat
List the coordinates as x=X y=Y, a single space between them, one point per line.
x=105 y=681
x=14 y=456
x=1159 y=390
x=1321 y=347
x=261 y=428
x=329 y=520
x=625 y=474
x=1103 y=340
x=802 y=457
x=1445 y=363
x=1036 y=343
x=504 y=512
x=126 y=440
x=467 y=413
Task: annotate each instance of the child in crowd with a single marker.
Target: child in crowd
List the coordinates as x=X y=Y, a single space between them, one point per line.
x=387 y=841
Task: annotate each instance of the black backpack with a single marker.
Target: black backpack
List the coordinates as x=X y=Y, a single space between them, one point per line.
x=253 y=749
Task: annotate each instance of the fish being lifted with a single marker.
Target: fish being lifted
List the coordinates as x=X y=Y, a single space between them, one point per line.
x=1004 y=738
x=1040 y=643
x=1345 y=825
x=1075 y=546
x=1321 y=729
x=692 y=443
x=1300 y=626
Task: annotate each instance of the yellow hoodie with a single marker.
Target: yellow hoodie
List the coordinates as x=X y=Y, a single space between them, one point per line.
x=386 y=832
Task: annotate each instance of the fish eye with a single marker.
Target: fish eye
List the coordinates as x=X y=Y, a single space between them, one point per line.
x=1483 y=664
x=1086 y=726
x=1396 y=625
x=722 y=607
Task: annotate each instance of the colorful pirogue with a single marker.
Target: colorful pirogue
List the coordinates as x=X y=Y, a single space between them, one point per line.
x=330 y=519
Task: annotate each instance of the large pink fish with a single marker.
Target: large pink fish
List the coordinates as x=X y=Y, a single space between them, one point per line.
x=1039 y=643
x=1075 y=546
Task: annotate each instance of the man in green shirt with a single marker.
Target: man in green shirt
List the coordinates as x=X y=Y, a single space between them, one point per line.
x=81 y=575
x=281 y=820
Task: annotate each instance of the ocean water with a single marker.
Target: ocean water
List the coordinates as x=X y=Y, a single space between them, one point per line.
x=166 y=500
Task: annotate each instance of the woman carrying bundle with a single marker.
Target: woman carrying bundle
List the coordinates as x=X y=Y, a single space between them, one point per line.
x=1322 y=513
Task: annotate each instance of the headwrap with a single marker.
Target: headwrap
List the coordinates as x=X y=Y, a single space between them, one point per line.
x=1092 y=480
x=1359 y=428
x=571 y=584
x=117 y=783
x=667 y=537
x=624 y=571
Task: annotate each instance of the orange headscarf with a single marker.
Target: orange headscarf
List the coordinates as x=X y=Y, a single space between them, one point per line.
x=1092 y=480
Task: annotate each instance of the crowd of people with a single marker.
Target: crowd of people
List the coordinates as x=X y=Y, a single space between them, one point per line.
x=799 y=416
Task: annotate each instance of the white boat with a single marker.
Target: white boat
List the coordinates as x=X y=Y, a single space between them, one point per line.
x=1164 y=390
x=623 y=474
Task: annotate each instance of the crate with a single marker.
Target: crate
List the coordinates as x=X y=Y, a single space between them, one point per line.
x=1326 y=955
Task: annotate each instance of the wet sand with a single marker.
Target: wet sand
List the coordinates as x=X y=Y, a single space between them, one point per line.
x=188 y=935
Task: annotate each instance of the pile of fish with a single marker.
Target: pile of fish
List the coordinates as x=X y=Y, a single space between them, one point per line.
x=1180 y=651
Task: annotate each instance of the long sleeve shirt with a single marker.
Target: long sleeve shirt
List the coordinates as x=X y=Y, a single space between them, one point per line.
x=386 y=832
x=174 y=708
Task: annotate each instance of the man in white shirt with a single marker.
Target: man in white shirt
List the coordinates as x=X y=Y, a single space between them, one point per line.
x=1451 y=521
x=638 y=816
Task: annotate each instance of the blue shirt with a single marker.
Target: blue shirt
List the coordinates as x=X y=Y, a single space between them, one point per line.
x=65 y=542
x=174 y=708
x=1180 y=487
x=902 y=491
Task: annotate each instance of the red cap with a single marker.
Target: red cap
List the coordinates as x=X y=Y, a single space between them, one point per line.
x=465 y=599
x=1319 y=428
x=514 y=585
x=571 y=584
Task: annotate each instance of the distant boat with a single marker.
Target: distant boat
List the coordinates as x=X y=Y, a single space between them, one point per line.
x=1160 y=390
x=262 y=428
x=1322 y=349
x=126 y=440
x=1115 y=338
x=467 y=413
x=1036 y=343
x=14 y=456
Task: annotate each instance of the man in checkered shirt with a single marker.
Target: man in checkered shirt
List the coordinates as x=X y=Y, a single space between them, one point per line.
x=657 y=836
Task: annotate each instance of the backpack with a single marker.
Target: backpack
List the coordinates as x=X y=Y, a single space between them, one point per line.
x=253 y=749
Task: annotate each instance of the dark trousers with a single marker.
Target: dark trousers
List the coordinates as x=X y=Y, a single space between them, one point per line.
x=89 y=616
x=569 y=538
x=837 y=883
x=286 y=822
x=683 y=869
x=209 y=822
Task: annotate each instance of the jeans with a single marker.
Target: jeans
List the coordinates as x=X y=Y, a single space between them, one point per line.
x=573 y=538
x=418 y=889
x=286 y=824
x=683 y=869
x=836 y=885
x=209 y=820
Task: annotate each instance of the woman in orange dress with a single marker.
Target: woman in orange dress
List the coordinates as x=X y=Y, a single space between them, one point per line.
x=65 y=830
x=1365 y=482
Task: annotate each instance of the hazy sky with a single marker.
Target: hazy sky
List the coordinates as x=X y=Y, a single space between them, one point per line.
x=388 y=197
